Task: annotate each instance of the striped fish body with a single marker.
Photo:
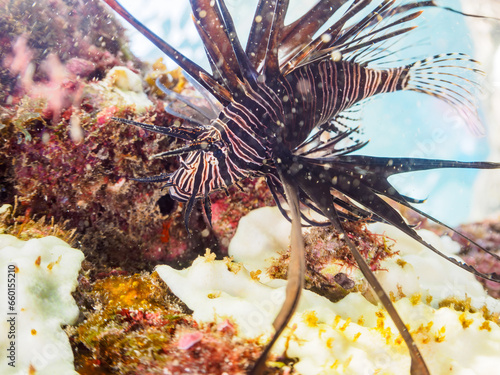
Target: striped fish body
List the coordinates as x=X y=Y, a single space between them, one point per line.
x=316 y=93
x=241 y=147
x=282 y=108
x=247 y=130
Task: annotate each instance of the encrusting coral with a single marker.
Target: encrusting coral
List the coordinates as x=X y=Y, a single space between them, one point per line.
x=42 y=272
x=444 y=307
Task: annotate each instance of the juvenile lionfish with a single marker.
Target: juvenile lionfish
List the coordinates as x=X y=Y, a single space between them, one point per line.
x=281 y=108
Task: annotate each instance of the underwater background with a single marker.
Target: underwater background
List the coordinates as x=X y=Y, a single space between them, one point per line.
x=66 y=68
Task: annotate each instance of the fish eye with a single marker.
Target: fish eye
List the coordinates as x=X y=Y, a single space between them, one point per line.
x=218 y=153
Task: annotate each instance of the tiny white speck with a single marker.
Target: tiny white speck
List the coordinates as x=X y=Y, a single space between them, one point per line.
x=325 y=38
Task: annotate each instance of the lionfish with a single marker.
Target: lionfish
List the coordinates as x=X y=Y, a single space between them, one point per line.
x=281 y=108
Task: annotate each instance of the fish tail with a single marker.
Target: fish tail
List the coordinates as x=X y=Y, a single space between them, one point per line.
x=451 y=77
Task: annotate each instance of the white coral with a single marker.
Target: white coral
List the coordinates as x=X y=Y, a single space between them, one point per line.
x=46 y=275
x=352 y=336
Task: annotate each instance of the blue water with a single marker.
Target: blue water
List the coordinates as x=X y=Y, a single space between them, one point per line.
x=417 y=125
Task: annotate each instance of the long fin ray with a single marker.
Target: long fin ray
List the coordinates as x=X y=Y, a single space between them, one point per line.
x=323 y=199
x=210 y=21
x=372 y=181
x=202 y=114
x=420 y=212
x=222 y=71
x=271 y=65
x=295 y=274
x=159 y=178
x=187 y=134
x=308 y=24
x=247 y=70
x=189 y=66
x=261 y=31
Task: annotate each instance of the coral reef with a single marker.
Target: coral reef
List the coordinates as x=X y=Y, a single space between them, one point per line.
x=66 y=159
x=331 y=270
x=85 y=183
x=26 y=227
x=487 y=235
x=133 y=325
x=42 y=273
x=442 y=306
x=55 y=149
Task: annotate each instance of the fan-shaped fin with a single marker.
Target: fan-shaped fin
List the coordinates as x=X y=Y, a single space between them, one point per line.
x=363 y=178
x=323 y=41
x=375 y=28
x=444 y=76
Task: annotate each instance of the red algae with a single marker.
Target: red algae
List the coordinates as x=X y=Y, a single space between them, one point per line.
x=64 y=156
x=132 y=325
x=26 y=227
x=487 y=235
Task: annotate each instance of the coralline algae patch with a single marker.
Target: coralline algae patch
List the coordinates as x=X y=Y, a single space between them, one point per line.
x=133 y=325
x=44 y=275
x=353 y=335
x=486 y=234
